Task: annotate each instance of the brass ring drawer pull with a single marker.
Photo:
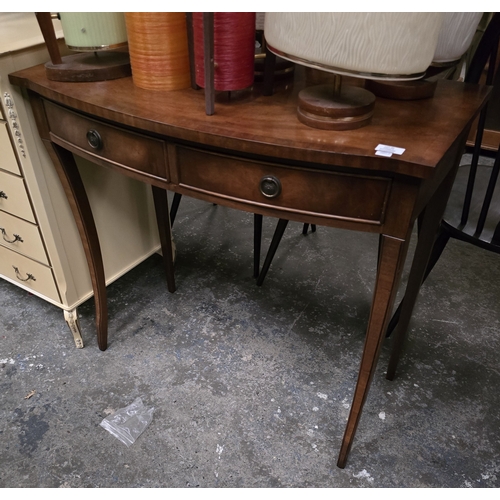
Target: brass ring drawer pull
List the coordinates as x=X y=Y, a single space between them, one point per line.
x=3 y=195
x=270 y=186
x=16 y=236
x=20 y=278
x=94 y=139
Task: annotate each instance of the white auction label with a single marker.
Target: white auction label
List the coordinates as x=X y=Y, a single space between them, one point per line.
x=390 y=149
x=383 y=153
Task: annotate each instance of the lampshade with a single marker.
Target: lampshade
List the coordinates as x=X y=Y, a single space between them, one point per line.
x=91 y=31
x=390 y=45
x=455 y=36
x=373 y=45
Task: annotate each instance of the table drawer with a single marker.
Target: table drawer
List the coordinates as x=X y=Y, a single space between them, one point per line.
x=14 y=197
x=305 y=191
x=105 y=142
x=8 y=159
x=22 y=236
x=30 y=274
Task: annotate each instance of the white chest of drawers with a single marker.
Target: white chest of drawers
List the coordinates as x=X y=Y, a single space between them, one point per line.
x=40 y=248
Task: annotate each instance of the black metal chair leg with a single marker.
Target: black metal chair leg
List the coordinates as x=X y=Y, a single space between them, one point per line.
x=257 y=239
x=278 y=234
x=306 y=227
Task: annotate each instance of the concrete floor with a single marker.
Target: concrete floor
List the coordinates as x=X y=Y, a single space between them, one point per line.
x=252 y=386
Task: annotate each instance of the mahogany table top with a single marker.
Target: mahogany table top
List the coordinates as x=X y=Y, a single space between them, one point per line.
x=252 y=123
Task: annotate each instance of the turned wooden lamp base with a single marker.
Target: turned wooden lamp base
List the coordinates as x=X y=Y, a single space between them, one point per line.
x=335 y=107
x=90 y=67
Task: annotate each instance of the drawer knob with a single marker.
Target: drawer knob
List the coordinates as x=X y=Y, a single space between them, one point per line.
x=270 y=186
x=16 y=236
x=94 y=139
x=3 y=195
x=20 y=278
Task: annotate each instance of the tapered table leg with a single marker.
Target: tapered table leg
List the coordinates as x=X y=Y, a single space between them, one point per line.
x=165 y=233
x=174 y=207
x=75 y=191
x=430 y=221
x=392 y=252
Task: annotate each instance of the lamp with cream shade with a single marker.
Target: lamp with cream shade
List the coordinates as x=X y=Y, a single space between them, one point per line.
x=455 y=37
x=370 y=45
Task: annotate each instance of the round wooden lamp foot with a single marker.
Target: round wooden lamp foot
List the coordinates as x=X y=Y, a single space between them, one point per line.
x=345 y=109
x=90 y=67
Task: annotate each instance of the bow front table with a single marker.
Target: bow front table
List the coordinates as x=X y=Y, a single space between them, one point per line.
x=254 y=155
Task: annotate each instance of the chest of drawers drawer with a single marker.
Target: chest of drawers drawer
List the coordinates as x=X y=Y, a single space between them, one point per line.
x=28 y=273
x=14 y=197
x=22 y=236
x=107 y=143
x=324 y=194
x=7 y=157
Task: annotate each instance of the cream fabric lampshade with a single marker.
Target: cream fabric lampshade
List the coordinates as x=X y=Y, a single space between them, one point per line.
x=455 y=36
x=373 y=45
x=389 y=45
x=90 y=31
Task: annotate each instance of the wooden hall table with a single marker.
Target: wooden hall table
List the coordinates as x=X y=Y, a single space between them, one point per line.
x=255 y=155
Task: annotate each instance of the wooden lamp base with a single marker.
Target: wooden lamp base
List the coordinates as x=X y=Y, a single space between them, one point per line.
x=329 y=107
x=404 y=91
x=90 y=67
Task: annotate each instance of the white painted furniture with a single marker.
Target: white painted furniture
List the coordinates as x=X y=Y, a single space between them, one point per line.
x=40 y=248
